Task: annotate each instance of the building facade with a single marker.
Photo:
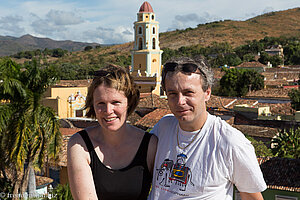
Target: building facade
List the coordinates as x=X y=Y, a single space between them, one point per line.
x=146 y=55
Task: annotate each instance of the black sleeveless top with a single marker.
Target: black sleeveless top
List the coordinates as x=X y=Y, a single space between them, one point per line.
x=130 y=183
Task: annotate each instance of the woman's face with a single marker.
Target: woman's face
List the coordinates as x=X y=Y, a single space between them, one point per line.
x=110 y=107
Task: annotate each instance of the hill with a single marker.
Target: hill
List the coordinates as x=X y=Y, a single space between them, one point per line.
x=11 y=45
x=275 y=24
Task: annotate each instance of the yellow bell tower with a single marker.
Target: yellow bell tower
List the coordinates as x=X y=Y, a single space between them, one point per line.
x=146 y=54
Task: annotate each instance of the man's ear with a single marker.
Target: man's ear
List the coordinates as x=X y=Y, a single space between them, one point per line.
x=207 y=94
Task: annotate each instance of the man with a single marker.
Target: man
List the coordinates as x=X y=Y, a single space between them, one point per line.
x=200 y=156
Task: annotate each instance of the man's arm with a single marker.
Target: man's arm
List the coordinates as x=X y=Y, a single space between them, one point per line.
x=251 y=196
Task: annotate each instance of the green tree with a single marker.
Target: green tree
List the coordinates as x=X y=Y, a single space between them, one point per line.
x=261 y=150
x=275 y=60
x=287 y=144
x=61 y=192
x=295 y=99
x=58 y=52
x=87 y=48
x=239 y=82
x=29 y=130
x=249 y=57
x=167 y=54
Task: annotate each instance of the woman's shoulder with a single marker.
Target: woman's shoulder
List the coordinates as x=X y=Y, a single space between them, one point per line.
x=78 y=138
x=75 y=138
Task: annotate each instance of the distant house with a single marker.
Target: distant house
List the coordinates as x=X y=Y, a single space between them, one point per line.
x=275 y=50
x=257 y=66
x=66 y=98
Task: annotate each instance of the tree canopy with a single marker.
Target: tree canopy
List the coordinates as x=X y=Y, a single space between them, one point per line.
x=238 y=82
x=29 y=131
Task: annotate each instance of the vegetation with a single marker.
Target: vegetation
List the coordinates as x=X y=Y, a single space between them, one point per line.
x=220 y=54
x=287 y=144
x=261 y=150
x=28 y=131
x=239 y=82
x=87 y=48
x=61 y=192
x=295 y=99
x=38 y=53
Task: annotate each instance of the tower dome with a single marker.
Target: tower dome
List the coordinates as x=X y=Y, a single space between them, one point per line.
x=146 y=7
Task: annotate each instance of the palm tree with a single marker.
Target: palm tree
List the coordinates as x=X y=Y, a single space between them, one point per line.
x=31 y=131
x=287 y=144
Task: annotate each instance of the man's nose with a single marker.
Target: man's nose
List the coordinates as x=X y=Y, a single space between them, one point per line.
x=181 y=99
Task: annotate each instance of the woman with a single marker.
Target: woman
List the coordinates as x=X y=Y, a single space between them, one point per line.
x=113 y=160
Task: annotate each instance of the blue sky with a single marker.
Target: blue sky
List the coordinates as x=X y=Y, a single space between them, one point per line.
x=111 y=21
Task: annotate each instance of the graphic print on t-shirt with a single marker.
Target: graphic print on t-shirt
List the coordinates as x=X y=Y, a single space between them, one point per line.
x=169 y=173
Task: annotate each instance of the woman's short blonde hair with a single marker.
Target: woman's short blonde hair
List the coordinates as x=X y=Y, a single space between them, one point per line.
x=115 y=77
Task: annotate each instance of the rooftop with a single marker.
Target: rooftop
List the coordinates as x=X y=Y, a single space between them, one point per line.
x=146 y=7
x=282 y=173
x=251 y=64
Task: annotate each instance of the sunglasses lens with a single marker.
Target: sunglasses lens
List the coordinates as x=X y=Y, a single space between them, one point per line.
x=170 y=66
x=101 y=73
x=189 y=67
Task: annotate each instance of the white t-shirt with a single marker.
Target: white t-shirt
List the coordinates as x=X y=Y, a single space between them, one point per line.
x=219 y=157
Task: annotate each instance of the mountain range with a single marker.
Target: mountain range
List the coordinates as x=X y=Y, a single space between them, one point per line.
x=11 y=45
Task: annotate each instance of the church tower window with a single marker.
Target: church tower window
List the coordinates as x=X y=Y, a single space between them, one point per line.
x=153 y=43
x=140 y=44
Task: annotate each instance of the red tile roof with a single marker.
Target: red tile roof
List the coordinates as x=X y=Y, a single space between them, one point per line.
x=153 y=101
x=257 y=131
x=69 y=131
x=62 y=160
x=251 y=64
x=149 y=120
x=74 y=83
x=282 y=173
x=146 y=7
x=270 y=92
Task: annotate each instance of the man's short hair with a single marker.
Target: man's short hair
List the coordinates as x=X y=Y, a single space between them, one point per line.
x=188 y=65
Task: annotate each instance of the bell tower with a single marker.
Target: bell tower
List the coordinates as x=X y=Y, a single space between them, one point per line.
x=146 y=54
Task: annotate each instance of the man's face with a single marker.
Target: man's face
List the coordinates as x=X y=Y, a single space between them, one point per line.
x=187 y=99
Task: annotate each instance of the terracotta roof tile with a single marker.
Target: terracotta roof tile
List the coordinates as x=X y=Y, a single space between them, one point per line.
x=146 y=7
x=153 y=101
x=133 y=118
x=282 y=173
x=74 y=83
x=63 y=152
x=69 y=131
x=257 y=131
x=251 y=64
x=149 y=120
x=271 y=92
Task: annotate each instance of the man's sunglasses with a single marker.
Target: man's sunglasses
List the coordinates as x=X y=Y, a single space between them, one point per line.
x=186 y=67
x=101 y=73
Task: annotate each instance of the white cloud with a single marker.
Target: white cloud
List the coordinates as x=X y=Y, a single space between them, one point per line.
x=59 y=18
x=109 y=36
x=268 y=9
x=10 y=24
x=191 y=20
